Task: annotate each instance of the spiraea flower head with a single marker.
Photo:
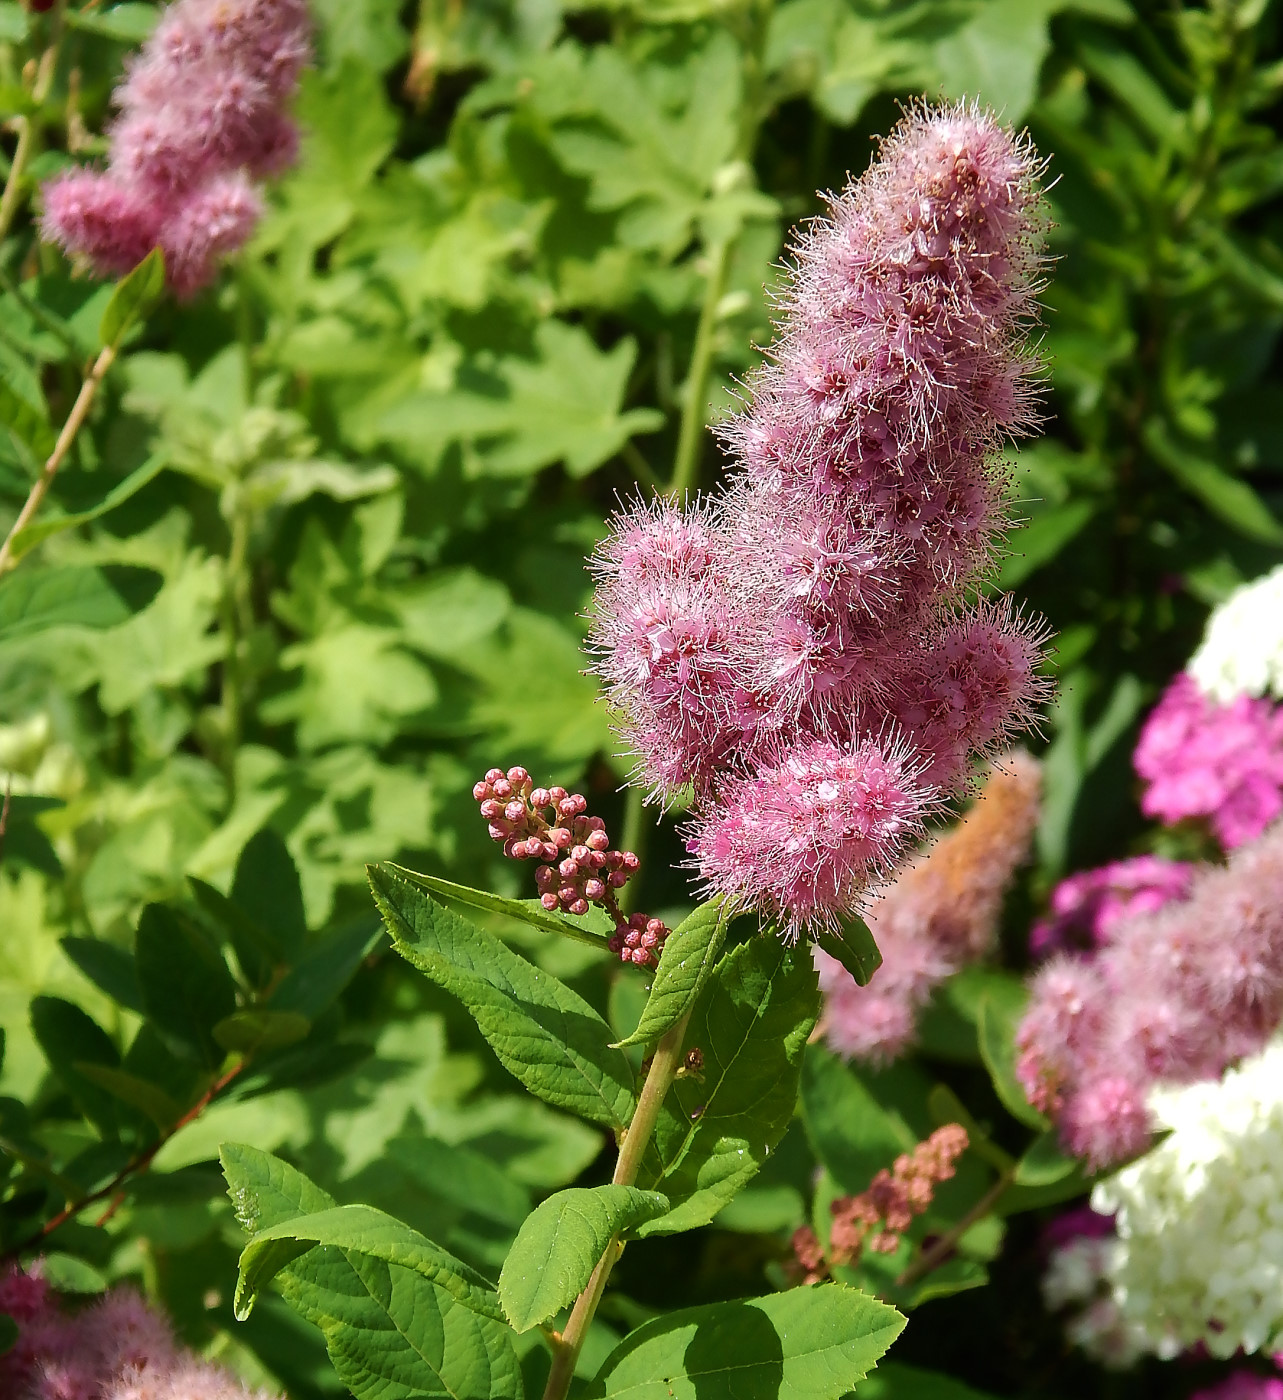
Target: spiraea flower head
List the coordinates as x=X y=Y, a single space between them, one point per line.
x=1085 y=907
x=940 y=914
x=203 y=112
x=763 y=648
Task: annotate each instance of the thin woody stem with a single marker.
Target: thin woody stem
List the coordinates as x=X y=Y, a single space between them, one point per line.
x=947 y=1243
x=75 y=420
x=663 y=1067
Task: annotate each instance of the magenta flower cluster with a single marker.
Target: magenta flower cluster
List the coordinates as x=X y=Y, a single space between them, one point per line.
x=1174 y=995
x=1243 y=1385
x=799 y=654
x=116 y=1349
x=1221 y=762
x=1085 y=907
x=580 y=869
x=203 y=113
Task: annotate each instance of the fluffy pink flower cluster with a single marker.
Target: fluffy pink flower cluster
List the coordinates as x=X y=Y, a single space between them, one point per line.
x=1222 y=762
x=116 y=1349
x=940 y=914
x=1086 y=906
x=798 y=652
x=550 y=824
x=203 y=113
x=1174 y=995
x=1243 y=1385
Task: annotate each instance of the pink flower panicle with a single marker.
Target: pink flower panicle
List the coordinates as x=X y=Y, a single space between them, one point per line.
x=1221 y=762
x=878 y=1217
x=1243 y=1385
x=816 y=620
x=117 y=1348
x=202 y=115
x=941 y=913
x=1175 y=995
x=1085 y=907
x=551 y=825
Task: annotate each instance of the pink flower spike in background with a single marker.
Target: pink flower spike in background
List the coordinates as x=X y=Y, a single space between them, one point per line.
x=1085 y=907
x=203 y=114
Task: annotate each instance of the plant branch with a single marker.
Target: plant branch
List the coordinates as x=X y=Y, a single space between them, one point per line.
x=947 y=1243
x=75 y=421
x=690 y=438
x=631 y=1151
x=26 y=129
x=133 y=1167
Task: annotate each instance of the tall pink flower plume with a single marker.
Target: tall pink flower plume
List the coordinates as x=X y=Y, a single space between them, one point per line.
x=941 y=913
x=1223 y=762
x=1173 y=996
x=117 y=1348
x=817 y=613
x=1085 y=907
x=203 y=113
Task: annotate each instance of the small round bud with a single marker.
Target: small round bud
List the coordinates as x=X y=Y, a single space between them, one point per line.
x=499 y=831
x=493 y=775
x=518 y=777
x=597 y=840
x=580 y=853
x=503 y=789
x=556 y=795
x=567 y=894
x=545 y=877
x=549 y=900
x=595 y=889
x=514 y=811
x=578 y=906
x=566 y=807
x=629 y=862
x=541 y=797
x=569 y=869
x=490 y=809
x=648 y=939
x=617 y=879
x=481 y=791
x=560 y=837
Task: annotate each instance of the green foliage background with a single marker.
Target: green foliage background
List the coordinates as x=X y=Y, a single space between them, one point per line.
x=353 y=580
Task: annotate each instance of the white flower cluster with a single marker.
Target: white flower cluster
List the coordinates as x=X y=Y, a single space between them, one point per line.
x=1242 y=649
x=1199 y=1254
x=1078 y=1276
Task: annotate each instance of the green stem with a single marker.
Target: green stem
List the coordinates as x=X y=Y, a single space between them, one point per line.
x=945 y=1245
x=690 y=438
x=26 y=129
x=234 y=630
x=636 y=837
x=633 y=1148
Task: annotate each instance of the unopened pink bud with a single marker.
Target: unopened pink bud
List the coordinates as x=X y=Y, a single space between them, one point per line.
x=545 y=877
x=580 y=853
x=493 y=775
x=514 y=811
x=557 y=795
x=490 y=809
x=567 y=807
x=503 y=789
x=499 y=831
x=568 y=894
x=518 y=777
x=541 y=797
x=617 y=879
x=595 y=889
x=597 y=840
x=578 y=906
x=569 y=869
x=630 y=862
x=549 y=900
x=648 y=939
x=481 y=791
x=560 y=838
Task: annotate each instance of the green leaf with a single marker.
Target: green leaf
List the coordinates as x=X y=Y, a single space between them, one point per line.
x=133 y=298
x=186 y=986
x=318 y=977
x=718 y=1125
x=8 y=1331
x=71 y=1038
x=359 y=1230
x=1233 y=500
x=997 y=1032
x=685 y=965
x=129 y=23
x=543 y=1033
x=854 y=947
x=64 y=1273
x=72 y=595
x=138 y=1093
x=40 y=530
x=893 y=1380
x=260 y=1028
x=805 y=1344
x=560 y=1244
x=109 y=968
x=594 y=927
x=266 y=886
x=254 y=951
x=391 y=1332
x=1044 y=1163
x=849 y=1130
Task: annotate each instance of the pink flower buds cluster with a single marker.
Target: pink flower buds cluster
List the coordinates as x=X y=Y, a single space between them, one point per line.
x=551 y=825
x=203 y=114
x=1085 y=907
x=1222 y=762
x=1175 y=995
x=940 y=914
x=803 y=654
x=116 y=1349
x=878 y=1217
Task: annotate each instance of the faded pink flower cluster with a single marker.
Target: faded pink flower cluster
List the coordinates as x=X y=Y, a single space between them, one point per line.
x=1085 y=907
x=1175 y=995
x=116 y=1349
x=941 y=913
x=550 y=824
x=1243 y=1385
x=1223 y=762
x=203 y=114
x=799 y=652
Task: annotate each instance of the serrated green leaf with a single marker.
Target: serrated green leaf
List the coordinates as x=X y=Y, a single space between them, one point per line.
x=325 y=969
x=685 y=965
x=854 y=946
x=718 y=1125
x=391 y=1333
x=1044 y=1162
x=71 y=1038
x=266 y=886
x=359 y=1230
x=805 y=1344
x=594 y=927
x=559 y=1245
x=135 y=294
x=542 y=1032
x=996 y=1026
x=259 y=1028
x=849 y=1130
x=186 y=986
